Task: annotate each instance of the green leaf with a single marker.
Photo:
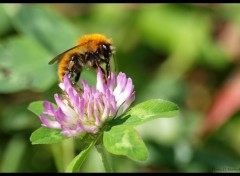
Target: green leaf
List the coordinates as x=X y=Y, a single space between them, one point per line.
x=146 y=111
x=126 y=141
x=49 y=28
x=45 y=135
x=23 y=65
x=172 y=17
x=5 y=22
x=13 y=154
x=17 y=118
x=37 y=107
x=79 y=159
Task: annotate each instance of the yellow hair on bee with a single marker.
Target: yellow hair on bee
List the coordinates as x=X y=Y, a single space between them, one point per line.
x=92 y=41
x=63 y=64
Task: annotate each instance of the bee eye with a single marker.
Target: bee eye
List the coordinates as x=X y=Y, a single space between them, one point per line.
x=104 y=47
x=101 y=50
x=74 y=57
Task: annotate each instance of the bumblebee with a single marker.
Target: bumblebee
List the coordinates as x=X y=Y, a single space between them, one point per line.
x=91 y=50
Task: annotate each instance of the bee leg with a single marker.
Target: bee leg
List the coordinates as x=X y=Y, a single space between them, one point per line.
x=104 y=74
x=77 y=72
x=70 y=74
x=97 y=65
x=106 y=61
x=96 y=61
x=77 y=77
x=108 y=68
x=80 y=61
x=102 y=70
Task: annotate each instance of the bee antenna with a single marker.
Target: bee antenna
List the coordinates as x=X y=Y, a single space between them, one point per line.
x=115 y=63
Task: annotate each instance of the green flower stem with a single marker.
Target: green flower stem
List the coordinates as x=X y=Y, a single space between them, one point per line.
x=101 y=150
x=63 y=154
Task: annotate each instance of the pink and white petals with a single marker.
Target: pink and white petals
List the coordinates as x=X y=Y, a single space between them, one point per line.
x=86 y=112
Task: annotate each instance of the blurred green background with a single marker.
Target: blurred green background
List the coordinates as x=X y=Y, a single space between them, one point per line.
x=185 y=53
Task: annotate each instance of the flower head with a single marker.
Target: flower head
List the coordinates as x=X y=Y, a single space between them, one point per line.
x=81 y=112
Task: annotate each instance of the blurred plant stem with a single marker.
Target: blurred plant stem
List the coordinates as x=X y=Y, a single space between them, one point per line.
x=103 y=154
x=63 y=154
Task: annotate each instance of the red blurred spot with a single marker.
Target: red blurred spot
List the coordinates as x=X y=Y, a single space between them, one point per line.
x=224 y=106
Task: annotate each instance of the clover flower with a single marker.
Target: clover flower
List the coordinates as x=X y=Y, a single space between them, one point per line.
x=80 y=111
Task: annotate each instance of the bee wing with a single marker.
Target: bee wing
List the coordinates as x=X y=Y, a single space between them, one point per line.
x=60 y=56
